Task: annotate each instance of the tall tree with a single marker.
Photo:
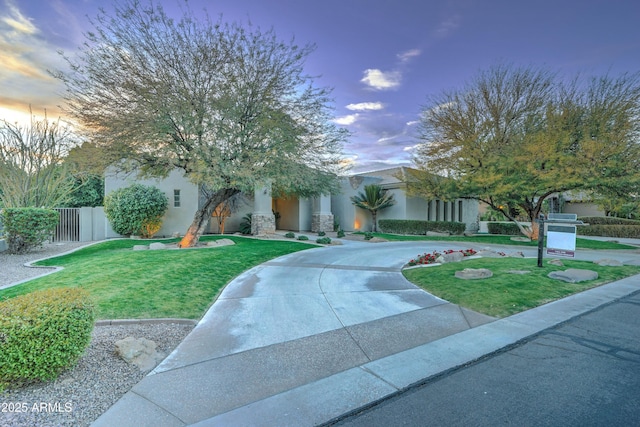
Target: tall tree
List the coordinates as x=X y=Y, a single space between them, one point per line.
x=373 y=199
x=32 y=173
x=514 y=136
x=229 y=105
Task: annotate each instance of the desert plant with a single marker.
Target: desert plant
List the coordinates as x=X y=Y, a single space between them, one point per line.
x=245 y=224
x=323 y=240
x=373 y=199
x=340 y=234
x=290 y=235
x=302 y=237
x=43 y=333
x=129 y=209
x=321 y=233
x=27 y=228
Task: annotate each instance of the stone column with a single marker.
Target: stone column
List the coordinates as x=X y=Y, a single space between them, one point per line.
x=262 y=220
x=322 y=217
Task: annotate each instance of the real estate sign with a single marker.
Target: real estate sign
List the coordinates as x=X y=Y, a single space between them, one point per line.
x=561 y=238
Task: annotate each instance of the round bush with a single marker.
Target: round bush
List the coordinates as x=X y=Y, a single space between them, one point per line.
x=135 y=210
x=43 y=333
x=28 y=228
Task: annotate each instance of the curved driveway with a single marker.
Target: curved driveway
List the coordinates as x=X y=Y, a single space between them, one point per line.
x=314 y=334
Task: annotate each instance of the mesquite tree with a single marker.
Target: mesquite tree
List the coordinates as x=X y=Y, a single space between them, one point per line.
x=514 y=136
x=229 y=105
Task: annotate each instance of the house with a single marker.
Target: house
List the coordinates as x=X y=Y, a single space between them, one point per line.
x=322 y=213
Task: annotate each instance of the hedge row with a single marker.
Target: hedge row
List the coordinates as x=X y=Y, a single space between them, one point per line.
x=628 y=231
x=607 y=220
x=508 y=228
x=418 y=227
x=43 y=333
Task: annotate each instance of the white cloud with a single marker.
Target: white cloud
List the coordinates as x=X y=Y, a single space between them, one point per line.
x=381 y=80
x=366 y=106
x=406 y=56
x=346 y=120
x=448 y=26
x=17 y=21
x=413 y=122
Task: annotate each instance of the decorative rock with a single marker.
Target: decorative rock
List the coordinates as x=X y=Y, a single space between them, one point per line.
x=377 y=240
x=140 y=352
x=556 y=262
x=175 y=234
x=474 y=273
x=140 y=247
x=437 y=234
x=452 y=257
x=157 y=245
x=516 y=255
x=573 y=275
x=488 y=253
x=608 y=262
x=520 y=239
x=221 y=242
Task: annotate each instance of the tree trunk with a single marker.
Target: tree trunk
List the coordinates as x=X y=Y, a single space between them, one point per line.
x=374 y=214
x=202 y=215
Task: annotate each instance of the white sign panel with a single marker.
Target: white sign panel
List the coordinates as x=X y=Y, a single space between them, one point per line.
x=561 y=240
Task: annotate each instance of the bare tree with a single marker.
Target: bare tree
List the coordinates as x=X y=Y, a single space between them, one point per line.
x=32 y=173
x=230 y=106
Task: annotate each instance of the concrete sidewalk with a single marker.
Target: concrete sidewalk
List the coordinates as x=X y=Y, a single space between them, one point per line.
x=312 y=335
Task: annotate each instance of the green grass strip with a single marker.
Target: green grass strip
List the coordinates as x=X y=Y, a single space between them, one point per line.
x=127 y=284
x=506 y=293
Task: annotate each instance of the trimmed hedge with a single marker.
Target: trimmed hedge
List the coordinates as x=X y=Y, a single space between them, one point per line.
x=136 y=210
x=607 y=220
x=28 y=228
x=608 y=226
x=419 y=227
x=505 y=228
x=43 y=333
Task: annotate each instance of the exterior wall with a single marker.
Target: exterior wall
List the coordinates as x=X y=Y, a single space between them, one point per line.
x=177 y=219
x=232 y=223
x=582 y=209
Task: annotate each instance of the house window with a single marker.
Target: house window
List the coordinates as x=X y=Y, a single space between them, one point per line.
x=445 y=211
x=176 y=198
x=437 y=210
x=459 y=210
x=453 y=211
x=429 y=209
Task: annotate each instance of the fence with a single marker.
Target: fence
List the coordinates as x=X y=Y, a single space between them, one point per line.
x=68 y=228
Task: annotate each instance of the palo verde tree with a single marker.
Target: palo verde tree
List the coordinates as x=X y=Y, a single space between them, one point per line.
x=514 y=136
x=32 y=169
x=229 y=105
x=373 y=199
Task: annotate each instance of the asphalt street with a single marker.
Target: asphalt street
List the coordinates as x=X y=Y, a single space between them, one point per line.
x=584 y=372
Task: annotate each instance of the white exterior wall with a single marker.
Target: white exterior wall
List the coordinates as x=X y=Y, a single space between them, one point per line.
x=176 y=219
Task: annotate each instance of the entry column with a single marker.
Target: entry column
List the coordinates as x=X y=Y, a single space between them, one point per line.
x=322 y=217
x=263 y=221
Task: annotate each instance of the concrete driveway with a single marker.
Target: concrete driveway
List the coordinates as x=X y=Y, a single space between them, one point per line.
x=309 y=336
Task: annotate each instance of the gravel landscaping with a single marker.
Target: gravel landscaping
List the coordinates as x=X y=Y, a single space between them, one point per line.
x=100 y=378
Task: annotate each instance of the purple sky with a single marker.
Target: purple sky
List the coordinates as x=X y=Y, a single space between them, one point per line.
x=382 y=57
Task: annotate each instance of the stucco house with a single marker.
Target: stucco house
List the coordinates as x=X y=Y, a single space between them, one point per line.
x=300 y=215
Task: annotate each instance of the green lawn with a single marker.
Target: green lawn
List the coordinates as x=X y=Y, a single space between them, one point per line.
x=505 y=293
x=150 y=284
x=501 y=240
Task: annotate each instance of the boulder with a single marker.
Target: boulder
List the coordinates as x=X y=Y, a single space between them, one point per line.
x=452 y=257
x=516 y=254
x=607 y=262
x=488 y=253
x=221 y=242
x=139 y=351
x=520 y=239
x=140 y=247
x=157 y=245
x=556 y=262
x=474 y=273
x=519 y=271
x=573 y=275
x=438 y=234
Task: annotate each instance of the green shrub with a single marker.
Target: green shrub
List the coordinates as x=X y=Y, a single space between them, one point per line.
x=340 y=234
x=43 y=333
x=323 y=240
x=368 y=235
x=301 y=237
x=132 y=209
x=28 y=228
x=613 y=230
x=321 y=233
x=505 y=228
x=420 y=227
x=607 y=220
x=290 y=235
